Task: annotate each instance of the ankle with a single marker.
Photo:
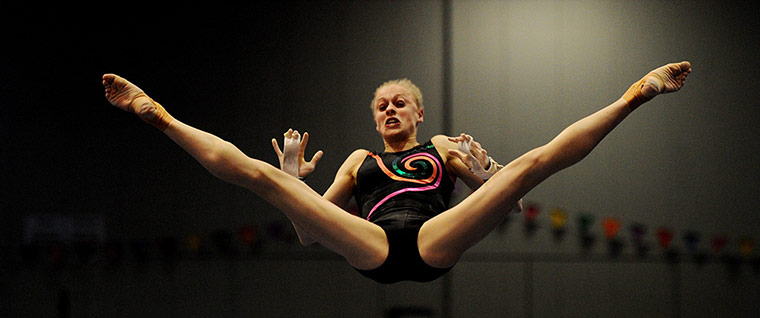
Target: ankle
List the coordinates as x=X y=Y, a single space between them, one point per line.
x=634 y=96
x=151 y=111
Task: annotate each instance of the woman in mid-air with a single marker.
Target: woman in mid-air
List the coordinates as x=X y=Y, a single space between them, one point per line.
x=405 y=230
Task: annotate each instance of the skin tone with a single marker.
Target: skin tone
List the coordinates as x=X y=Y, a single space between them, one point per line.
x=442 y=239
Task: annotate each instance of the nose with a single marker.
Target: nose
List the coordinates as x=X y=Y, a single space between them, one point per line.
x=390 y=110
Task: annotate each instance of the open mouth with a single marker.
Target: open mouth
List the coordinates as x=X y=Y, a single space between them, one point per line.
x=392 y=121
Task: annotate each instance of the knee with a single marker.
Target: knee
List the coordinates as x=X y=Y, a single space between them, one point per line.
x=532 y=168
x=535 y=160
x=252 y=175
x=367 y=259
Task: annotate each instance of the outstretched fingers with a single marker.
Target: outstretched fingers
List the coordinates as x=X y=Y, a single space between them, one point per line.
x=277 y=148
x=302 y=145
x=302 y=150
x=465 y=158
x=477 y=156
x=317 y=156
x=291 y=156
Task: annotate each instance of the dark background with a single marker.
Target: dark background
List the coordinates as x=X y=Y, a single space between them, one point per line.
x=511 y=73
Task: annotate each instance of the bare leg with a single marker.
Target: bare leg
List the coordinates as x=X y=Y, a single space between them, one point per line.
x=362 y=243
x=443 y=239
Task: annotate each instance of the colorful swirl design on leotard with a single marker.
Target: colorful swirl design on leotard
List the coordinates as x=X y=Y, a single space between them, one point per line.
x=417 y=166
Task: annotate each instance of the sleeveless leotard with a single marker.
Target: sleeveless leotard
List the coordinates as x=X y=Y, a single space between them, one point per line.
x=400 y=191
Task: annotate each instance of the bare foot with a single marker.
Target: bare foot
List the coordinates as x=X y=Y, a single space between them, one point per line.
x=665 y=79
x=128 y=97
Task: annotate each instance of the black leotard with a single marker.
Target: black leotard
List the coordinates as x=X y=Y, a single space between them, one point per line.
x=400 y=191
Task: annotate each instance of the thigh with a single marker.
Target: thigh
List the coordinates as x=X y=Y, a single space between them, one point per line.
x=361 y=242
x=444 y=238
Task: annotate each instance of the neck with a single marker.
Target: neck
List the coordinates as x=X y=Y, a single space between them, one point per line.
x=400 y=145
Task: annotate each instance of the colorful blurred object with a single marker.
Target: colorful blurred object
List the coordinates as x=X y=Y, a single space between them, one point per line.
x=249 y=235
x=746 y=245
x=531 y=212
x=664 y=237
x=718 y=243
x=584 y=223
x=611 y=227
x=558 y=218
x=637 y=232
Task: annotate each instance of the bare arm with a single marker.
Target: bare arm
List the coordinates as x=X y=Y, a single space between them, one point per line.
x=454 y=164
x=457 y=166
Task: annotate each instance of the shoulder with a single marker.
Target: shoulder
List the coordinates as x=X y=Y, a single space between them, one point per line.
x=358 y=154
x=442 y=143
x=454 y=165
x=354 y=160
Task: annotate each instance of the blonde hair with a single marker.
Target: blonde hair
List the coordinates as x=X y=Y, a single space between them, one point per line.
x=416 y=92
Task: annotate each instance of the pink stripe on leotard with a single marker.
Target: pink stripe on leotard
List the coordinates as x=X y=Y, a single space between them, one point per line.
x=413 y=189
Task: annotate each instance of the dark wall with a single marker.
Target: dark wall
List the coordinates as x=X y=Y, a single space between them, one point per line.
x=246 y=73
x=521 y=71
x=73 y=153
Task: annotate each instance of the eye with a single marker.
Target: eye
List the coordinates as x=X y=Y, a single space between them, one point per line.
x=400 y=103
x=382 y=106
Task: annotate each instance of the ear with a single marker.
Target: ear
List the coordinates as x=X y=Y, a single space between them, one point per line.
x=421 y=115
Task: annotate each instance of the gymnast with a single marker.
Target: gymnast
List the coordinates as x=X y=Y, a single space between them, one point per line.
x=405 y=229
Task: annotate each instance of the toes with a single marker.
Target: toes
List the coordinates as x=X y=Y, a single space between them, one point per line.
x=685 y=66
x=108 y=78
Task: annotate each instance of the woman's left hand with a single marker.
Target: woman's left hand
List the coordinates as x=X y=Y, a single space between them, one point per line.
x=470 y=152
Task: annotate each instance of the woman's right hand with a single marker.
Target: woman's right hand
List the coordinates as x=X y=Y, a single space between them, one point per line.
x=292 y=154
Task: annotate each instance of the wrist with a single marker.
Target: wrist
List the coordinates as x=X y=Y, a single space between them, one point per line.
x=489 y=171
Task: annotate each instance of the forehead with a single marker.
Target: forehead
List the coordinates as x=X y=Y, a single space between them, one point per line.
x=391 y=91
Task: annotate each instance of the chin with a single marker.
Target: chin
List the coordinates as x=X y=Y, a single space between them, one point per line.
x=396 y=135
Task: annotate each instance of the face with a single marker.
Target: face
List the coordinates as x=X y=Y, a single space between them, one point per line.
x=396 y=113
